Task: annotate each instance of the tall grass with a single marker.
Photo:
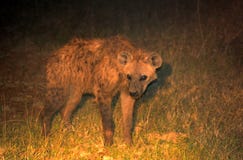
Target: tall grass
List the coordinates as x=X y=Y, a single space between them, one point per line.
x=194 y=110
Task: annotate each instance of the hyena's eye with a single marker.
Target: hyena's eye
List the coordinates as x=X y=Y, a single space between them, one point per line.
x=129 y=77
x=143 y=78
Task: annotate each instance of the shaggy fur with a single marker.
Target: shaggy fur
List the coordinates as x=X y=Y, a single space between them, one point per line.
x=102 y=67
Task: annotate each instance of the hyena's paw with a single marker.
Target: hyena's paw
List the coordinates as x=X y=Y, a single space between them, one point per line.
x=45 y=130
x=128 y=141
x=67 y=126
x=108 y=138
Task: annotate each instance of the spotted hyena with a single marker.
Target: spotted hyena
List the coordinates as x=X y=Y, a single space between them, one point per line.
x=102 y=67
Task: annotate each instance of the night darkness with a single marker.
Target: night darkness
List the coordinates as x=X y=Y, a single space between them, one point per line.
x=106 y=18
x=201 y=42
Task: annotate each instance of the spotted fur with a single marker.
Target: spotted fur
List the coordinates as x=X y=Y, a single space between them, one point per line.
x=102 y=67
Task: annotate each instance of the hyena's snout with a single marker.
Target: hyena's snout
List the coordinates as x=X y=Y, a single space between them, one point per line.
x=134 y=94
x=136 y=89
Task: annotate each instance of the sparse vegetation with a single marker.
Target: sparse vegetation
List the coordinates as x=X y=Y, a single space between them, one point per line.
x=194 y=110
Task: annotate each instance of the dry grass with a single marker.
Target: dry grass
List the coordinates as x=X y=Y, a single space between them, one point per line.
x=193 y=112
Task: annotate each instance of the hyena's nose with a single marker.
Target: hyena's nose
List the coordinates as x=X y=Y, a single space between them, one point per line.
x=133 y=94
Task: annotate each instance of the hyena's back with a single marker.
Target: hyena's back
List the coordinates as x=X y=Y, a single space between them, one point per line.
x=72 y=64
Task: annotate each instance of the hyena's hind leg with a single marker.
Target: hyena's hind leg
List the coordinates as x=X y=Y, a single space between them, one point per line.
x=53 y=103
x=72 y=102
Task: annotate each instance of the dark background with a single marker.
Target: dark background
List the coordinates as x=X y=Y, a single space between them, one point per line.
x=59 y=19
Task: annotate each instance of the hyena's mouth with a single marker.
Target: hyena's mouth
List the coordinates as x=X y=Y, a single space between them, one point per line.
x=135 y=95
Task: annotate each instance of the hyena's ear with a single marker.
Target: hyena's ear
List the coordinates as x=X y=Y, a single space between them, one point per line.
x=124 y=58
x=155 y=60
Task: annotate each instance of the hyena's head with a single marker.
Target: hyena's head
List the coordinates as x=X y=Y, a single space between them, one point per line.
x=140 y=70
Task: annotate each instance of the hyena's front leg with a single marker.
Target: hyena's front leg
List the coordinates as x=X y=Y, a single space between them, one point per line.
x=127 y=104
x=107 y=121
